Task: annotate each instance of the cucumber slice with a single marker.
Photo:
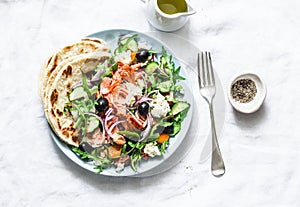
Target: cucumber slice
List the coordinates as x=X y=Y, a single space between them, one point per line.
x=123 y=41
x=128 y=42
x=164 y=87
x=151 y=67
x=132 y=45
x=179 y=107
x=93 y=124
x=78 y=93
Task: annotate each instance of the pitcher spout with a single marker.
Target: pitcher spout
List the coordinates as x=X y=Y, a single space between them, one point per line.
x=190 y=10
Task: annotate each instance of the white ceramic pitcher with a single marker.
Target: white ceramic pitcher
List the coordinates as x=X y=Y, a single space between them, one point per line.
x=167 y=22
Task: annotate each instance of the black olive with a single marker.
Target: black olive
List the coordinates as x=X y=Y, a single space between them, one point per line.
x=143 y=108
x=142 y=55
x=102 y=104
x=121 y=127
x=159 y=129
x=85 y=147
x=168 y=129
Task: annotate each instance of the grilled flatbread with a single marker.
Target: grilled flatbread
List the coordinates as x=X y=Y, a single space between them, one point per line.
x=54 y=74
x=42 y=71
x=50 y=67
x=63 y=124
x=59 y=72
x=92 y=39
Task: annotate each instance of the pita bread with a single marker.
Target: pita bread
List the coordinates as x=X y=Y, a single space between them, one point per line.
x=55 y=72
x=63 y=124
x=58 y=73
x=93 y=39
x=45 y=65
x=78 y=48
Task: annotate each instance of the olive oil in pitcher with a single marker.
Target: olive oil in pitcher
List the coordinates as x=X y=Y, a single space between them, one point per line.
x=172 y=6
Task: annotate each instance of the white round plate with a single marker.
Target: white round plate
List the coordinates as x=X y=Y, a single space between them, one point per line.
x=111 y=37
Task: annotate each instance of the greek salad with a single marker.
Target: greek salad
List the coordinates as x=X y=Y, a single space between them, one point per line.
x=129 y=107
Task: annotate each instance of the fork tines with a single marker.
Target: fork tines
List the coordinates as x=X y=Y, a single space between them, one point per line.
x=205 y=70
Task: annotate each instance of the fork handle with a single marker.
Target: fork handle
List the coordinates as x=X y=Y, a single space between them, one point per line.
x=217 y=163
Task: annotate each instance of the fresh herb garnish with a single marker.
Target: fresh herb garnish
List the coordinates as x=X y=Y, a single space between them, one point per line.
x=101 y=162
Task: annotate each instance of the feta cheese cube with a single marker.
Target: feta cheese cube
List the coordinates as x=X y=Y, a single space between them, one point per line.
x=151 y=149
x=159 y=106
x=124 y=57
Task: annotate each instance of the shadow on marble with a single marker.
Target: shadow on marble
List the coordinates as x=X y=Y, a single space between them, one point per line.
x=250 y=120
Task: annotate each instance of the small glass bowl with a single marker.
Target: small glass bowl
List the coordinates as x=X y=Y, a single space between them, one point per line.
x=255 y=104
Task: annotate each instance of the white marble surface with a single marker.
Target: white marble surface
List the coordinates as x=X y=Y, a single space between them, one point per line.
x=261 y=151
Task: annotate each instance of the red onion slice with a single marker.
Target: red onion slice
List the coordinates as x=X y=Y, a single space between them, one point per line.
x=79 y=83
x=98 y=75
x=144 y=98
x=112 y=127
x=125 y=36
x=108 y=112
x=146 y=132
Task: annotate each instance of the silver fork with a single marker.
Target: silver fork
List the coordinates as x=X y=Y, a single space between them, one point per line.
x=208 y=90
